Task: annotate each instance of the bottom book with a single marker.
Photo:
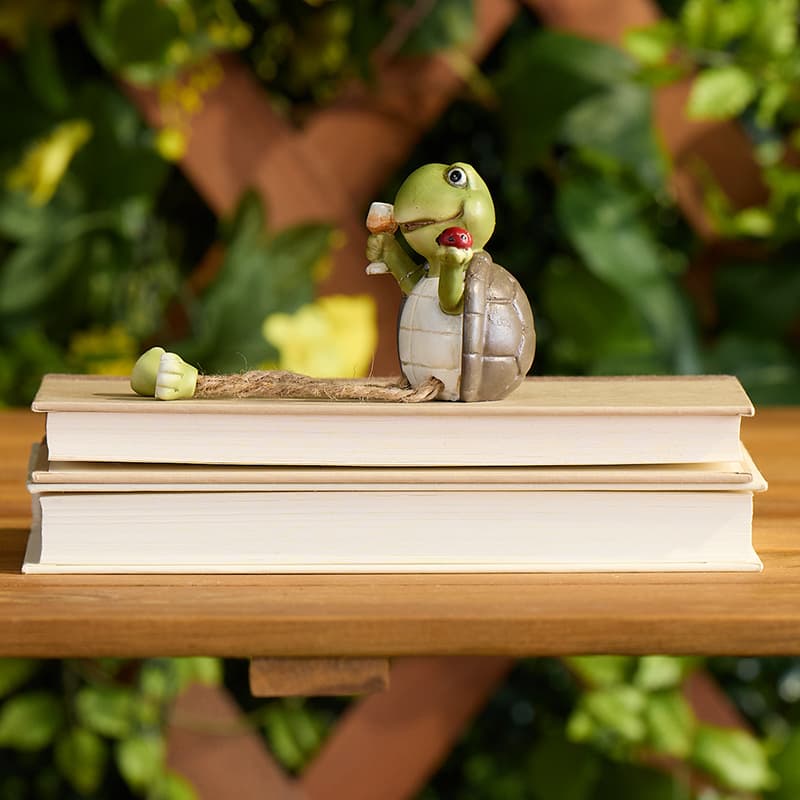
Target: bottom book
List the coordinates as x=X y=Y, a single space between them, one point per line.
x=525 y=526
x=392 y=531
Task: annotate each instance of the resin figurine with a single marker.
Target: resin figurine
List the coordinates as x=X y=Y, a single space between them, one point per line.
x=466 y=327
x=465 y=320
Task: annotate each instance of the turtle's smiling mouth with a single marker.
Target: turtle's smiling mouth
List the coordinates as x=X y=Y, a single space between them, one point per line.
x=414 y=224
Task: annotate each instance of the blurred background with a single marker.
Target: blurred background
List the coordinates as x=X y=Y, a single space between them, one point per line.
x=196 y=174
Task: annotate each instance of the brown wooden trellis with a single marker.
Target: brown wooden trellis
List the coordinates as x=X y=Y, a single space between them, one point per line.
x=388 y=744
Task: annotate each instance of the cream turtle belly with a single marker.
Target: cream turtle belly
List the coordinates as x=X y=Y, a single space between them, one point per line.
x=429 y=341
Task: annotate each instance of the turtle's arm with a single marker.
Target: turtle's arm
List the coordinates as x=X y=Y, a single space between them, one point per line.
x=384 y=247
x=453 y=263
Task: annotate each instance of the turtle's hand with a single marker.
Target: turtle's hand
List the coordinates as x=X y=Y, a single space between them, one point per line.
x=376 y=247
x=452 y=258
x=378 y=244
x=176 y=380
x=386 y=255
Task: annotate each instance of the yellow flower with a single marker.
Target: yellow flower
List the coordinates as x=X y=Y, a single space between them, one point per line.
x=171 y=144
x=207 y=75
x=44 y=164
x=240 y=35
x=190 y=99
x=104 y=351
x=168 y=91
x=218 y=33
x=179 y=52
x=333 y=337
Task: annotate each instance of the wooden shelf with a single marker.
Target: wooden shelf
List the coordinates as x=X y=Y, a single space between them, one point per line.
x=364 y=615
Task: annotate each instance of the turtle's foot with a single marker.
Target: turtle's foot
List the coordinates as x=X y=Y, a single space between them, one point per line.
x=163 y=375
x=176 y=380
x=145 y=370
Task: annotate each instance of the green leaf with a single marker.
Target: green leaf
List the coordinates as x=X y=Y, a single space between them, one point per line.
x=305 y=729
x=562 y=769
x=158 y=679
x=81 y=757
x=592 y=323
x=542 y=81
x=616 y=710
x=618 y=124
x=604 y=223
x=34 y=272
x=281 y=739
x=173 y=787
x=734 y=20
x=711 y=25
x=769 y=371
x=651 y=45
x=140 y=760
x=697 y=21
x=139 y=32
x=449 y=23
x=784 y=185
x=721 y=92
x=20 y=221
x=161 y=679
x=775 y=94
x=258 y=277
x=30 y=721
x=659 y=672
x=120 y=171
x=773 y=31
x=581 y=726
x=96 y=35
x=786 y=764
x=107 y=710
x=206 y=671
x=733 y=757
x=670 y=723
x=754 y=221
x=32 y=356
x=16 y=671
x=42 y=70
x=770 y=152
x=600 y=671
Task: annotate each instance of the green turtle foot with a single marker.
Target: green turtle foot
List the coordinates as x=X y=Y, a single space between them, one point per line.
x=145 y=370
x=163 y=375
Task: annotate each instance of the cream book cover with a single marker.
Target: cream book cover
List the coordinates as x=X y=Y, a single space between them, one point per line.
x=392 y=531
x=545 y=422
x=614 y=522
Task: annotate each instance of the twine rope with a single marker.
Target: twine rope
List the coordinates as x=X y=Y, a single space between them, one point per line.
x=278 y=384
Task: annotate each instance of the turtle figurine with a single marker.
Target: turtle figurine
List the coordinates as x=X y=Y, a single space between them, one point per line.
x=465 y=320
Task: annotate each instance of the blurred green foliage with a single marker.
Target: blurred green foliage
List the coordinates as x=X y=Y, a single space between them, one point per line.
x=92 y=728
x=101 y=237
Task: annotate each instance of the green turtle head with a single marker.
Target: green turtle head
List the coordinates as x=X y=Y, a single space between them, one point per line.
x=439 y=196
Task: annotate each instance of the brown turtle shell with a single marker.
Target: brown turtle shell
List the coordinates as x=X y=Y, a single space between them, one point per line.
x=498 y=340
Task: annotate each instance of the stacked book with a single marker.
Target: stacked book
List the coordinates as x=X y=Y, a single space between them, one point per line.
x=566 y=474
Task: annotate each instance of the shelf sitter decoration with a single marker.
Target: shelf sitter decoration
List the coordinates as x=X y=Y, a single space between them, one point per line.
x=466 y=327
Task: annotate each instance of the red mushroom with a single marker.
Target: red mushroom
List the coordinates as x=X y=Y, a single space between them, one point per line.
x=455 y=237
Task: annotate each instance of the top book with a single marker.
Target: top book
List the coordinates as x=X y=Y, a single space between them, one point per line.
x=546 y=422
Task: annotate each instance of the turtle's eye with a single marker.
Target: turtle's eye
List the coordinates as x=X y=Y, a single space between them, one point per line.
x=456 y=176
